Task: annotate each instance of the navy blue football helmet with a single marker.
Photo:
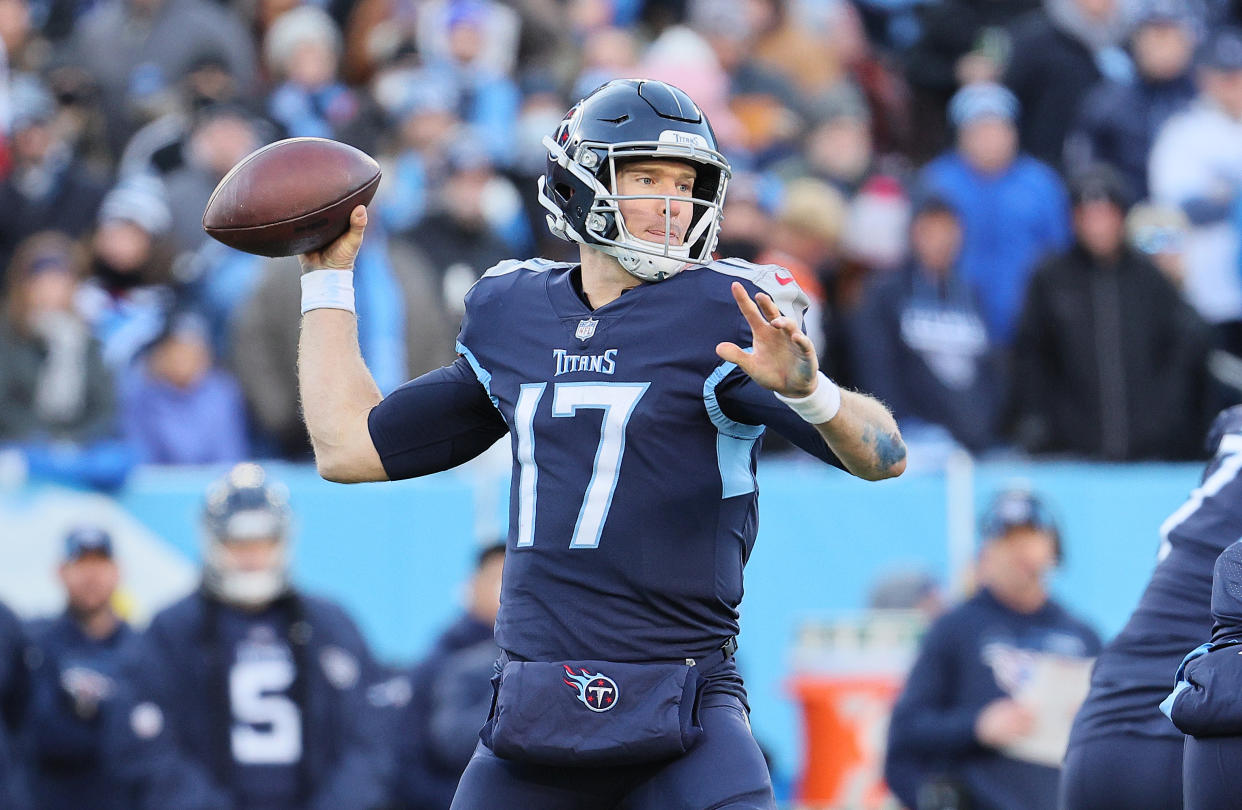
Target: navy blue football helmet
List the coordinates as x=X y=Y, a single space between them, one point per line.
x=626 y=119
x=241 y=507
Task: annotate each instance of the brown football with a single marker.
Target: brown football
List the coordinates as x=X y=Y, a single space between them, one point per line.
x=289 y=197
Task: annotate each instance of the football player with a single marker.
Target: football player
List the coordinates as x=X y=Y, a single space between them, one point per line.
x=249 y=694
x=1123 y=753
x=635 y=386
x=74 y=660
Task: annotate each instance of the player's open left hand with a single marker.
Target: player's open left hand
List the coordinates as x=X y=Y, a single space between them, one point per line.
x=341 y=253
x=783 y=358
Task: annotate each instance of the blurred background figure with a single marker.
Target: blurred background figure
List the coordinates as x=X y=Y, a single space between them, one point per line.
x=1013 y=208
x=1123 y=754
x=14 y=694
x=953 y=43
x=921 y=344
x=1119 y=118
x=407 y=333
x=302 y=51
x=805 y=239
x=278 y=717
x=451 y=695
x=58 y=415
x=473 y=222
x=1196 y=165
x=129 y=291
x=908 y=589
x=47 y=187
x=1109 y=362
x=177 y=405
x=137 y=50
x=1055 y=56
x=75 y=662
x=963 y=701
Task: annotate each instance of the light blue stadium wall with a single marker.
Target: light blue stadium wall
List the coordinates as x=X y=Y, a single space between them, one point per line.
x=396 y=554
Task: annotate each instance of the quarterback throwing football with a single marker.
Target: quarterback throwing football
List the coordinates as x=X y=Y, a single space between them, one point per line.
x=635 y=387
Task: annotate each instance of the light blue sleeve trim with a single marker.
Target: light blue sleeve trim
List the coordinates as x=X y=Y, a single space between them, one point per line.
x=724 y=424
x=733 y=457
x=484 y=376
x=735 y=442
x=1180 y=683
x=1166 y=705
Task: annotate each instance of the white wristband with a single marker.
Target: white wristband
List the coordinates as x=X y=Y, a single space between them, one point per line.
x=328 y=289
x=818 y=406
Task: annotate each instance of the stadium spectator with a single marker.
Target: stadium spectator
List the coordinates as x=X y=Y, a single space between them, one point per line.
x=47 y=187
x=137 y=50
x=838 y=148
x=129 y=292
x=1014 y=209
x=57 y=401
x=177 y=405
x=956 y=42
x=451 y=695
x=1109 y=362
x=475 y=43
x=1196 y=165
x=302 y=52
x=162 y=146
x=217 y=138
x=1123 y=754
x=1119 y=118
x=1204 y=702
x=422 y=107
x=920 y=342
x=1056 y=55
x=408 y=334
x=249 y=693
x=962 y=704
x=75 y=661
x=475 y=221
x=805 y=239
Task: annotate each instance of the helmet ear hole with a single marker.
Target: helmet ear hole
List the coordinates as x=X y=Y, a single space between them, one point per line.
x=564 y=191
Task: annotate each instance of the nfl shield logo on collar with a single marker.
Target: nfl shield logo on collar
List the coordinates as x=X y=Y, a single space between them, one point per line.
x=586 y=328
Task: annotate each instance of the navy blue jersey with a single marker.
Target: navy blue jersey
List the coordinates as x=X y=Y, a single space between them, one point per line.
x=633 y=504
x=1135 y=671
x=250 y=711
x=74 y=680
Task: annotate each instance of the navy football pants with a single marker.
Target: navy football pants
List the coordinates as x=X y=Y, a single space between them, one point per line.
x=723 y=771
x=1123 y=772
x=1211 y=772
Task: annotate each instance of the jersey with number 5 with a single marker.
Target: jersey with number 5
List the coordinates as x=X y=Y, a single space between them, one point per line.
x=633 y=504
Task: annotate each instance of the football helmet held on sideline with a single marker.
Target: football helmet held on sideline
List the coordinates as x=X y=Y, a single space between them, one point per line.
x=622 y=120
x=245 y=507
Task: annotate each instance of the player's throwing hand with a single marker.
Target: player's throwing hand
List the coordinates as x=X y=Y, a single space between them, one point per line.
x=783 y=359
x=341 y=253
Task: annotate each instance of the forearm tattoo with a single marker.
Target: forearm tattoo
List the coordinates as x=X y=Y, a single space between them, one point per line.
x=887 y=448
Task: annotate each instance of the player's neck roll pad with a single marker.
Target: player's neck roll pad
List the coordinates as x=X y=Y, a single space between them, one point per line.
x=585 y=713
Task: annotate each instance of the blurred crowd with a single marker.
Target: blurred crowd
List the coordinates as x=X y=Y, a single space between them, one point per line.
x=1017 y=220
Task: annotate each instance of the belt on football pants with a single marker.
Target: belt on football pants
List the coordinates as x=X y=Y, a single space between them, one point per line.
x=713 y=659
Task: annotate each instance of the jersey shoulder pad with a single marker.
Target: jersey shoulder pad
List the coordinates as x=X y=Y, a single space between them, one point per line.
x=504 y=278
x=773 y=279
